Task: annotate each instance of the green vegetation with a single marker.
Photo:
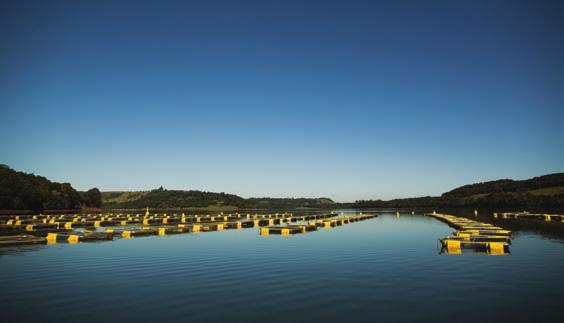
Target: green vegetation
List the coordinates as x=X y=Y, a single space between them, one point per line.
x=21 y=191
x=92 y=198
x=122 y=197
x=549 y=191
x=290 y=203
x=544 y=191
x=507 y=186
x=171 y=199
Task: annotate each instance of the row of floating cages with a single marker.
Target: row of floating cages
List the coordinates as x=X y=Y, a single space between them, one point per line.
x=32 y=226
x=37 y=231
x=527 y=215
x=454 y=246
x=310 y=226
x=473 y=236
x=146 y=219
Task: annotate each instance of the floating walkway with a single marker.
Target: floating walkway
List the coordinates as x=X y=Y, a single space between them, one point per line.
x=64 y=228
x=473 y=235
x=313 y=225
x=87 y=236
x=527 y=215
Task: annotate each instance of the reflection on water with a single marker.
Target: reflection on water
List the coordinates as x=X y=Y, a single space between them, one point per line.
x=19 y=250
x=553 y=230
x=386 y=268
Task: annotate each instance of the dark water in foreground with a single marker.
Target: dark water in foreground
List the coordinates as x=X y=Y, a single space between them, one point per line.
x=384 y=269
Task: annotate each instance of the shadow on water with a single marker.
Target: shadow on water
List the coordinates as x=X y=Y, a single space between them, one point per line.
x=19 y=250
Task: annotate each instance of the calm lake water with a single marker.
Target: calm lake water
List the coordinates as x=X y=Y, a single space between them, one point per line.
x=384 y=269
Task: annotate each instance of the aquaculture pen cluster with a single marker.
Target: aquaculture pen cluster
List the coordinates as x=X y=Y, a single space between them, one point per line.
x=41 y=229
x=473 y=235
x=313 y=225
x=527 y=215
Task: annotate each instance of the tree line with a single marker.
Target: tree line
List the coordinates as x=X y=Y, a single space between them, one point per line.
x=170 y=199
x=22 y=191
x=499 y=193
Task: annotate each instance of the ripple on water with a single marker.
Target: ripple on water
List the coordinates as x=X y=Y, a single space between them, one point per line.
x=382 y=269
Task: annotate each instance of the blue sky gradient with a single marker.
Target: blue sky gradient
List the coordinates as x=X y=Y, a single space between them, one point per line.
x=344 y=99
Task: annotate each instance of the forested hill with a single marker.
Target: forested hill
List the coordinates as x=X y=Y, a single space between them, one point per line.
x=22 y=191
x=168 y=199
x=542 y=191
x=163 y=199
x=552 y=183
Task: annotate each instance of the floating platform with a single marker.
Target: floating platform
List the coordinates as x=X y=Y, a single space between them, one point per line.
x=313 y=225
x=283 y=231
x=480 y=236
x=455 y=246
x=74 y=228
x=76 y=238
x=473 y=235
x=526 y=215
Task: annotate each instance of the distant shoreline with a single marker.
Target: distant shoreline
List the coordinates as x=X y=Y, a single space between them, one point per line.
x=28 y=193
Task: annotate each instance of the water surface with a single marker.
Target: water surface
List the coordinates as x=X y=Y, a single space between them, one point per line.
x=384 y=269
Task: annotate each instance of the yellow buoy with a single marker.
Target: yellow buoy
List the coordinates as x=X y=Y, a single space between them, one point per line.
x=73 y=238
x=452 y=244
x=495 y=248
x=51 y=238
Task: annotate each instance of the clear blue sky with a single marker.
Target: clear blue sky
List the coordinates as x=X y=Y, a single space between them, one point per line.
x=344 y=99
